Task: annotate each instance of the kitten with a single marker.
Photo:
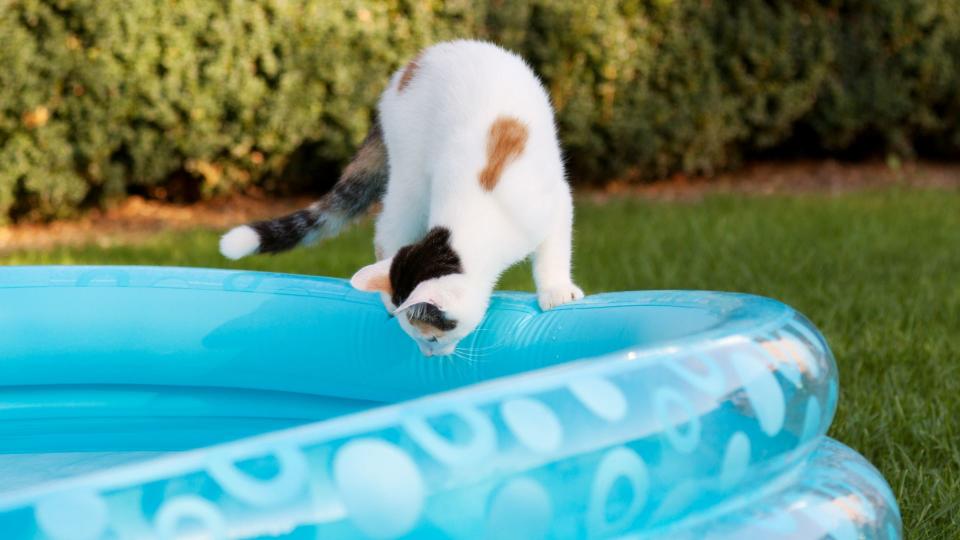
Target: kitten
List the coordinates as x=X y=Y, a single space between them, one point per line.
x=466 y=160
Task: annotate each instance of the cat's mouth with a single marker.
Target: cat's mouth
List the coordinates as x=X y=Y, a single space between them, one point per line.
x=432 y=348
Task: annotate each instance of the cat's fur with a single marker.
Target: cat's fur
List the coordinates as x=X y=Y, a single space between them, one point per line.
x=466 y=159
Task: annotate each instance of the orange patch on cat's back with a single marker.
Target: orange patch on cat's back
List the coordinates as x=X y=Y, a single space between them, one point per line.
x=408 y=73
x=505 y=143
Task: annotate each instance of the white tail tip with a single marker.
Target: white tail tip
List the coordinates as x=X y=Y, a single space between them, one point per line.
x=239 y=242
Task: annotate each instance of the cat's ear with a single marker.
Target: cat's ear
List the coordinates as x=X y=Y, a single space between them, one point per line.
x=425 y=293
x=374 y=278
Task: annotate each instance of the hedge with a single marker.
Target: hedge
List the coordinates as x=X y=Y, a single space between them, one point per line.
x=102 y=98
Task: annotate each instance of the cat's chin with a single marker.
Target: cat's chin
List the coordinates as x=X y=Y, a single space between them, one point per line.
x=445 y=351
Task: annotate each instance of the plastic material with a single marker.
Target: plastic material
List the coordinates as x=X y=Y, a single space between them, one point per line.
x=646 y=414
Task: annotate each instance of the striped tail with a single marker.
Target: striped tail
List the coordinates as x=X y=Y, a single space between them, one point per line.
x=362 y=183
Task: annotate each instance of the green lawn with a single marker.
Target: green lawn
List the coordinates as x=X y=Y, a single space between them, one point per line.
x=878 y=272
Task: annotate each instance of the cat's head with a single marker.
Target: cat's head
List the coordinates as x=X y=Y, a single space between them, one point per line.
x=424 y=287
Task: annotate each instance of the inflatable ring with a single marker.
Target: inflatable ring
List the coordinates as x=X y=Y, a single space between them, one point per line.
x=162 y=403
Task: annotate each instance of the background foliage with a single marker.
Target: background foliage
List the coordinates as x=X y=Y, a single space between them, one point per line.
x=178 y=99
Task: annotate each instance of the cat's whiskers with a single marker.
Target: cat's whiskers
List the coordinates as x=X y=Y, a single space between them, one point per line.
x=460 y=355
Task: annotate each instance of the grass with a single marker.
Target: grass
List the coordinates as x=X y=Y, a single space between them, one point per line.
x=877 y=271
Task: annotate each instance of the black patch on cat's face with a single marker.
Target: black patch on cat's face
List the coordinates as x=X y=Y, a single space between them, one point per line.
x=431 y=257
x=430 y=314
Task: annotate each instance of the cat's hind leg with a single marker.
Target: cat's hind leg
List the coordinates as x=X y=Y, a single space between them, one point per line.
x=552 y=263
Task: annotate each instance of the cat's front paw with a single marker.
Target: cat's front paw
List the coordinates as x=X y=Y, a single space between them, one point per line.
x=551 y=297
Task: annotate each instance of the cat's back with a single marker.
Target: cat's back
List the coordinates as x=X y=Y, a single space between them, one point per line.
x=465 y=79
x=469 y=117
x=477 y=65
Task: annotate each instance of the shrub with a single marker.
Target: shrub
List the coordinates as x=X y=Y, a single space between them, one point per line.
x=99 y=99
x=895 y=78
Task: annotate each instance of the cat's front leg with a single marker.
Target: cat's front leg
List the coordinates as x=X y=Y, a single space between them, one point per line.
x=557 y=295
x=551 y=266
x=402 y=221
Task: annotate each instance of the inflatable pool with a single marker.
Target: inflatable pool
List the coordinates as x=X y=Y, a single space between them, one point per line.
x=159 y=403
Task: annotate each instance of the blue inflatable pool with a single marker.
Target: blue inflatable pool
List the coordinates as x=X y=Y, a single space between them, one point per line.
x=160 y=403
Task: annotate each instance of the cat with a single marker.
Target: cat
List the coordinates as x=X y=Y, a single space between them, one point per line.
x=465 y=158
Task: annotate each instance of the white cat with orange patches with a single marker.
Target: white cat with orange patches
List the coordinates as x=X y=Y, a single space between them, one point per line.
x=466 y=160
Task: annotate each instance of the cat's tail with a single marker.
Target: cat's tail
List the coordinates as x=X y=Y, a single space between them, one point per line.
x=361 y=184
